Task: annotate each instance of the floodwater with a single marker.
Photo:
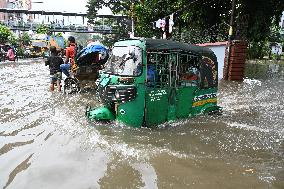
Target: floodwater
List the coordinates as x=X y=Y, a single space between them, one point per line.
x=46 y=142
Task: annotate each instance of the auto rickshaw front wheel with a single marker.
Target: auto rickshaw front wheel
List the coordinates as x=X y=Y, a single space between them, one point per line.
x=71 y=85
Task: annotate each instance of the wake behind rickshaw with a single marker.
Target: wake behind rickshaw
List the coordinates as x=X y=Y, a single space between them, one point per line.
x=147 y=82
x=85 y=70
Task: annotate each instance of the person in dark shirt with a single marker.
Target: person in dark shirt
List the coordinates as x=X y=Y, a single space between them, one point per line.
x=54 y=62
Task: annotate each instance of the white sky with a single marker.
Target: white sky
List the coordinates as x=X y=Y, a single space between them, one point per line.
x=74 y=6
x=64 y=5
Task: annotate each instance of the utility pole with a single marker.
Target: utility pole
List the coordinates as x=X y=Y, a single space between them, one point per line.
x=132 y=20
x=230 y=36
x=231 y=30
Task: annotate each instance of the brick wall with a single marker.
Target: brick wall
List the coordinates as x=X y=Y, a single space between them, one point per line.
x=234 y=69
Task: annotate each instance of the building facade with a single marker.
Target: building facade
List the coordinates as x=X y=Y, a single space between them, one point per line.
x=3 y=4
x=19 y=4
x=14 y=4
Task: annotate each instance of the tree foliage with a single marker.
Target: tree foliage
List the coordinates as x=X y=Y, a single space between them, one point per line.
x=13 y=40
x=5 y=34
x=198 y=21
x=96 y=38
x=24 y=39
x=122 y=26
x=42 y=29
x=93 y=7
x=262 y=15
x=262 y=21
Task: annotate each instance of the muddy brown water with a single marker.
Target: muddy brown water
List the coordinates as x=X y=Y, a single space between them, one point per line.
x=46 y=142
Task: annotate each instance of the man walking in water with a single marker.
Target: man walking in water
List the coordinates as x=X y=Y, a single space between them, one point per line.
x=70 y=55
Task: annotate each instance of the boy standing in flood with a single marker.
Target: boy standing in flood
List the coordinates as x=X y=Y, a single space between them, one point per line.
x=54 y=61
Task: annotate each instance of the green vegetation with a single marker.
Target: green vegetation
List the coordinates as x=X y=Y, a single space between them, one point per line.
x=24 y=39
x=199 y=21
x=13 y=40
x=59 y=34
x=96 y=38
x=42 y=29
x=6 y=35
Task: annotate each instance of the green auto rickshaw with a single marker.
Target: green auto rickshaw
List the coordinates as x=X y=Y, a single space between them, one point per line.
x=147 y=82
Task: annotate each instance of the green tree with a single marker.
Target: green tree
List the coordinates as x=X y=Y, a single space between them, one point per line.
x=262 y=15
x=96 y=38
x=59 y=34
x=198 y=20
x=13 y=40
x=122 y=25
x=203 y=15
x=5 y=34
x=42 y=29
x=93 y=6
x=25 y=39
x=262 y=20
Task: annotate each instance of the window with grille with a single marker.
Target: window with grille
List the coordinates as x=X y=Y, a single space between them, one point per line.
x=158 y=69
x=172 y=69
x=189 y=74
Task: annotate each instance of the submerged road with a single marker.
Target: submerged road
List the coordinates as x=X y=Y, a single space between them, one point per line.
x=46 y=142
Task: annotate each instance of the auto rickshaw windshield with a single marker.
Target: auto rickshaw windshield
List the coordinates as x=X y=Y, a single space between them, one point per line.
x=125 y=61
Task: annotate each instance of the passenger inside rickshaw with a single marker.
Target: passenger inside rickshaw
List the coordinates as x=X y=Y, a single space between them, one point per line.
x=151 y=75
x=189 y=71
x=157 y=70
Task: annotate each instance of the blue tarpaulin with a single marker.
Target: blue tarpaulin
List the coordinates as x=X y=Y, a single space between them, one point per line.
x=88 y=54
x=94 y=48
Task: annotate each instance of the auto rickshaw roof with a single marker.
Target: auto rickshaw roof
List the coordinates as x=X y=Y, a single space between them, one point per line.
x=162 y=44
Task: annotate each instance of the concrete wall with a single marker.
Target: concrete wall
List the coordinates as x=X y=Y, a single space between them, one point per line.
x=220 y=53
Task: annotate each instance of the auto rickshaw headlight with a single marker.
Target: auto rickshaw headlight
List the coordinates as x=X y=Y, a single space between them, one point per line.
x=117 y=96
